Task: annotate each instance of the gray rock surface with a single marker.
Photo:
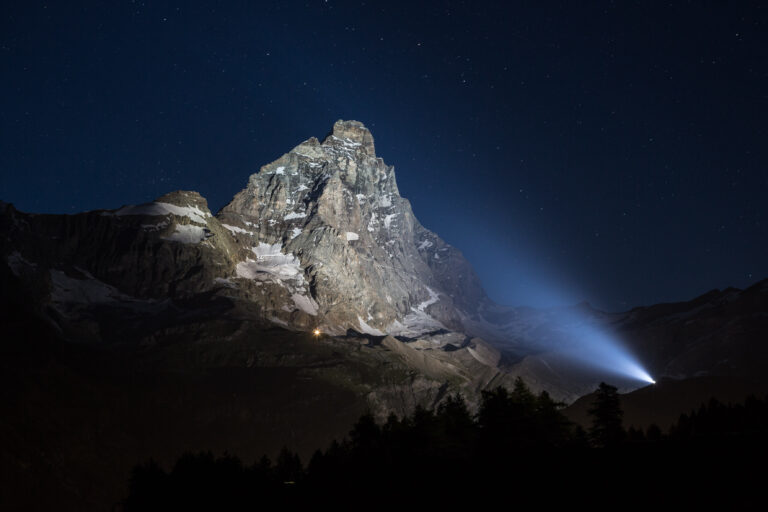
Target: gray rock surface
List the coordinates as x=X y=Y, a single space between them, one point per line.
x=333 y=209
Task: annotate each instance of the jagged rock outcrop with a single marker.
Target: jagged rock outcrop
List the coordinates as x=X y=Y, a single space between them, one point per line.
x=332 y=211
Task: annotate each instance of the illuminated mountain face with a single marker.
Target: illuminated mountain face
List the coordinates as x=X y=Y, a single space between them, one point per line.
x=334 y=208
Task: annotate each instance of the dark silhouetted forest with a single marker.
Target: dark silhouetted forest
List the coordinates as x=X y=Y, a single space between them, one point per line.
x=519 y=445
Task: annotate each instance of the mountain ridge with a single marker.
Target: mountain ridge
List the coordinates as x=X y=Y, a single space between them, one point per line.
x=336 y=205
x=319 y=238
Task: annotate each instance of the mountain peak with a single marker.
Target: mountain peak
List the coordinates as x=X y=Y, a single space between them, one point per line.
x=351 y=132
x=356 y=253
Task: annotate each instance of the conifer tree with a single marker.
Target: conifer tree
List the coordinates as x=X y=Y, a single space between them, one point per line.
x=607 y=417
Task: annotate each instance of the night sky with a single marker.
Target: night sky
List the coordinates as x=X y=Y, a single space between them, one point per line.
x=609 y=152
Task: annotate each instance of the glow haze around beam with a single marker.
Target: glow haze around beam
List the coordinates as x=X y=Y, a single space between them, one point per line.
x=584 y=339
x=593 y=346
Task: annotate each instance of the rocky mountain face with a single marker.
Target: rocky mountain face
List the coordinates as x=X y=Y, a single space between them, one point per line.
x=326 y=223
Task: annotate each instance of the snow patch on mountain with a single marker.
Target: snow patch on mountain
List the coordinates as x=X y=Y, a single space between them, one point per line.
x=367 y=329
x=425 y=245
x=186 y=234
x=194 y=213
x=372 y=222
x=237 y=229
x=388 y=220
x=304 y=303
x=418 y=321
x=433 y=297
x=414 y=324
x=270 y=263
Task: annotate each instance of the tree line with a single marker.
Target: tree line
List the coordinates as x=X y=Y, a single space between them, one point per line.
x=518 y=441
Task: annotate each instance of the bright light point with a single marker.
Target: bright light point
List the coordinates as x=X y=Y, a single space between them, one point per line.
x=316 y=332
x=632 y=369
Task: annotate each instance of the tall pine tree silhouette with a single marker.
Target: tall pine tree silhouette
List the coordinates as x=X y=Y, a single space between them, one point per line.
x=607 y=417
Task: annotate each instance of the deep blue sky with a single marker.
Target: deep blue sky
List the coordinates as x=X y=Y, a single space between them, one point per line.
x=613 y=152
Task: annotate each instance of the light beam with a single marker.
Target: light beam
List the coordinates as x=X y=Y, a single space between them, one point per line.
x=584 y=339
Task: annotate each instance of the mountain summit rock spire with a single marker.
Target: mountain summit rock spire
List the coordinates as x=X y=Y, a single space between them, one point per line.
x=355 y=132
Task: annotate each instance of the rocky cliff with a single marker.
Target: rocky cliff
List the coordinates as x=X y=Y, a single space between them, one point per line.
x=326 y=221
